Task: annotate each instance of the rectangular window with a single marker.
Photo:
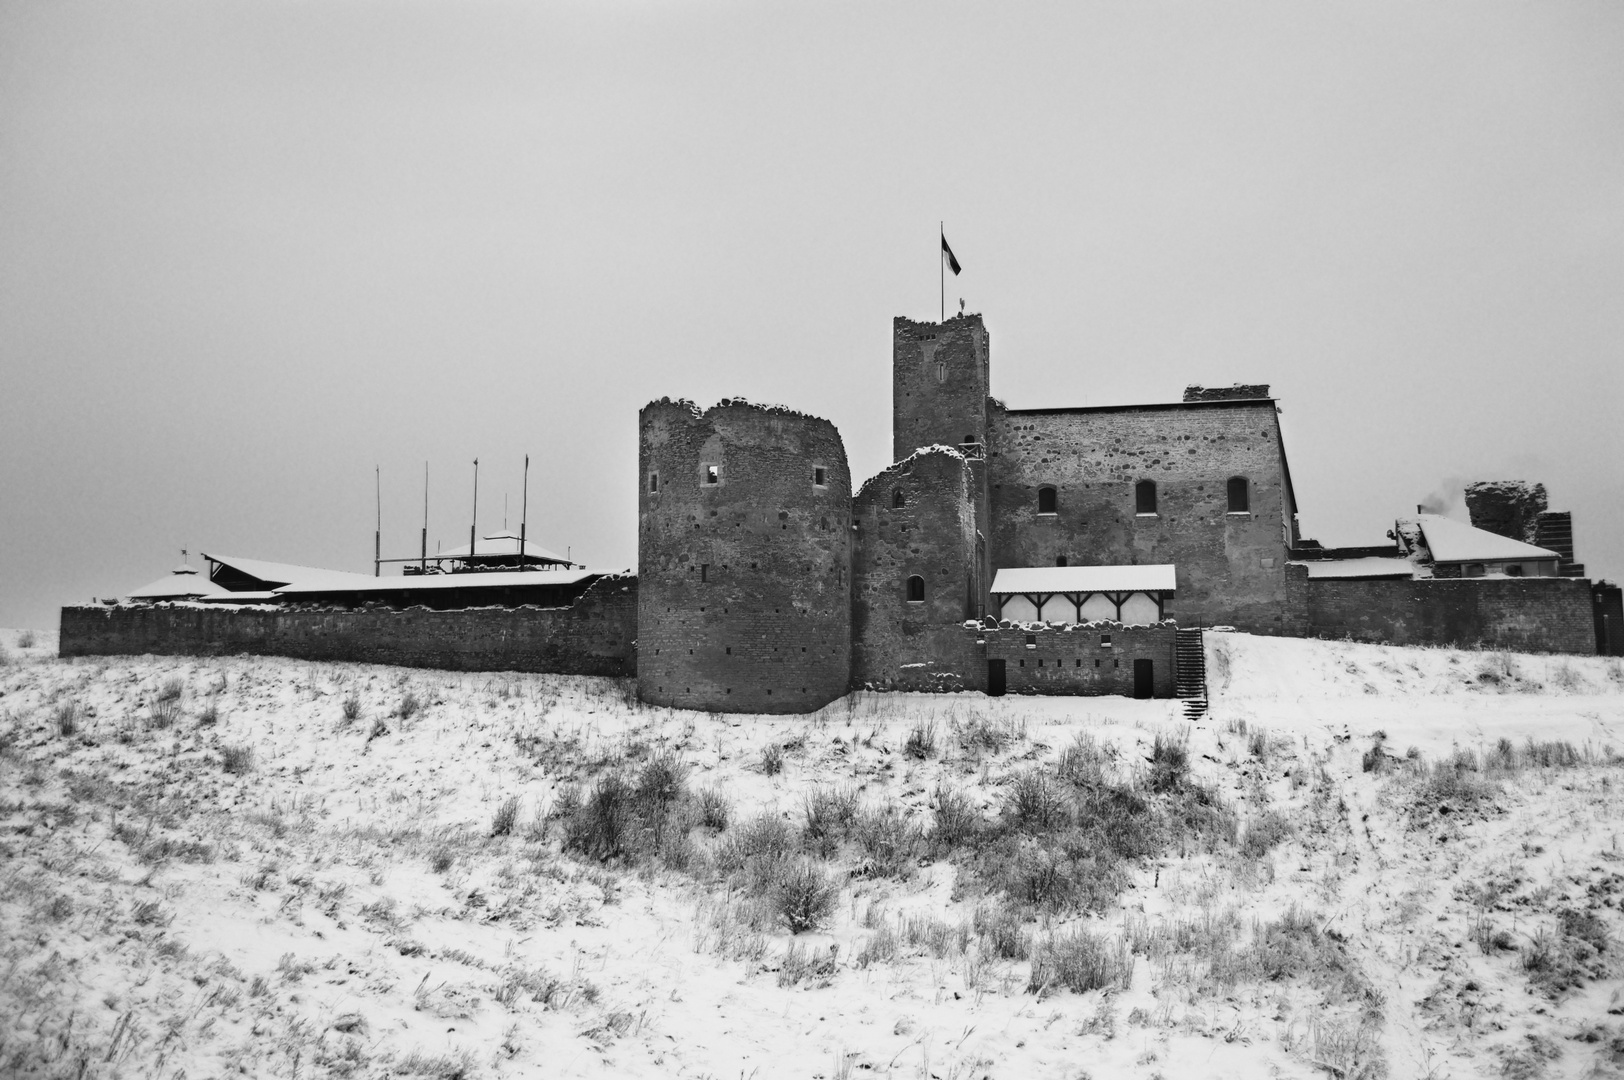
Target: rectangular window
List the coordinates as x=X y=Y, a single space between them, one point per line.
x=819 y=477
x=713 y=474
x=653 y=483
x=1105 y=641
x=704 y=572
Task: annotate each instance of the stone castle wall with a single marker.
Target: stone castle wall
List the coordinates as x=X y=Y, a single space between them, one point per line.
x=1553 y=615
x=1231 y=566
x=745 y=583
x=1083 y=658
x=595 y=636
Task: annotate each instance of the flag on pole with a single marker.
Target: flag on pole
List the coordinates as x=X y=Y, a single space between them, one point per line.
x=947 y=256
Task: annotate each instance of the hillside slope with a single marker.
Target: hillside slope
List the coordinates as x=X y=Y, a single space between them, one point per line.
x=274 y=868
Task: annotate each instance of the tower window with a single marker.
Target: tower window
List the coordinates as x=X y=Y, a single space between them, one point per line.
x=941 y=371
x=916 y=590
x=1060 y=560
x=1047 y=500
x=704 y=572
x=1240 y=495
x=713 y=474
x=1144 y=497
x=653 y=482
x=819 y=477
x=898 y=499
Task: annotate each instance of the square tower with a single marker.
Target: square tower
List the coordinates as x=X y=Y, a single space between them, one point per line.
x=939 y=382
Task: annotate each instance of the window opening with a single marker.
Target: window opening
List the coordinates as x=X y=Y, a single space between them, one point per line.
x=818 y=477
x=713 y=474
x=704 y=571
x=653 y=483
x=1144 y=497
x=916 y=589
x=1060 y=560
x=1046 y=500
x=1240 y=495
x=898 y=499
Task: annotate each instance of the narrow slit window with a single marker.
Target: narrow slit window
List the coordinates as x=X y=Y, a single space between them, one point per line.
x=916 y=590
x=1144 y=497
x=713 y=474
x=653 y=483
x=898 y=499
x=704 y=572
x=1240 y=495
x=819 y=477
x=1047 y=501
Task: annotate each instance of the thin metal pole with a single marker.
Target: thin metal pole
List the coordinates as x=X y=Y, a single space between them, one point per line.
x=473 y=526
x=423 y=557
x=524 y=511
x=377 y=534
x=941 y=272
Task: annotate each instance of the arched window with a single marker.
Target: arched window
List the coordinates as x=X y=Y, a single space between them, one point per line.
x=898 y=499
x=916 y=590
x=1144 y=497
x=1046 y=500
x=1240 y=495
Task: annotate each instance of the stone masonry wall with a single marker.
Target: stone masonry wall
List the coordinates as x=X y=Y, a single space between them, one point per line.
x=1073 y=659
x=1231 y=567
x=939 y=375
x=898 y=644
x=1525 y=614
x=745 y=584
x=596 y=636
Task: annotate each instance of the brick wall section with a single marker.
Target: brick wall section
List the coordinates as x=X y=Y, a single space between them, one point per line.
x=939 y=375
x=1524 y=614
x=1231 y=567
x=1071 y=659
x=767 y=627
x=897 y=644
x=596 y=636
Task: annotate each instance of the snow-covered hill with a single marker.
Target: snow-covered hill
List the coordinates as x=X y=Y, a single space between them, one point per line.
x=274 y=868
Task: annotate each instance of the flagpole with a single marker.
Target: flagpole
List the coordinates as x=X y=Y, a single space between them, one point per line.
x=941 y=271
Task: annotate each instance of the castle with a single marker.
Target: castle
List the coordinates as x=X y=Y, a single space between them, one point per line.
x=1054 y=550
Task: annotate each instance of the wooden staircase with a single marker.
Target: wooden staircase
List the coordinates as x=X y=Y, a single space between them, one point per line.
x=1192 y=672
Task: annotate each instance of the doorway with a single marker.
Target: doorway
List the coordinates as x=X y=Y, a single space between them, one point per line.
x=995 y=678
x=1144 y=678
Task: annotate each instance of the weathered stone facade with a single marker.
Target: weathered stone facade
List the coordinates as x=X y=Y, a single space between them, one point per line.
x=597 y=635
x=1082 y=658
x=1231 y=563
x=744 y=558
x=916 y=519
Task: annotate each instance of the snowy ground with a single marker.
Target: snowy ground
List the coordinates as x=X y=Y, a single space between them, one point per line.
x=207 y=868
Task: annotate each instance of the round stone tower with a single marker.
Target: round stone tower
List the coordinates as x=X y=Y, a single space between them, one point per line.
x=743 y=558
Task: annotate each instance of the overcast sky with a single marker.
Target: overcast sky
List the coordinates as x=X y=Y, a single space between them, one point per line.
x=248 y=251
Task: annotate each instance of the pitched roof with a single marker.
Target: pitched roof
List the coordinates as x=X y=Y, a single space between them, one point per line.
x=433 y=582
x=278 y=574
x=504 y=543
x=1081 y=579
x=178 y=583
x=1455 y=541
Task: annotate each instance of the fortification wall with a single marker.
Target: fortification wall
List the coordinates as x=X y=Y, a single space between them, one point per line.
x=596 y=636
x=1525 y=614
x=899 y=644
x=745 y=582
x=1231 y=566
x=939 y=374
x=1080 y=658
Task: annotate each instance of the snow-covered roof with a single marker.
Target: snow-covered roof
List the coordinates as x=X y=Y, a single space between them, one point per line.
x=504 y=543
x=1083 y=579
x=177 y=583
x=279 y=574
x=431 y=582
x=1455 y=541
x=1369 y=567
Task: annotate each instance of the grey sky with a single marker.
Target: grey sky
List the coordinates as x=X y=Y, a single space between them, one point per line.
x=249 y=250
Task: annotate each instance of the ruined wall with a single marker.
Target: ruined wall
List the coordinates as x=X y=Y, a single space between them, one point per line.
x=1073 y=659
x=597 y=636
x=898 y=644
x=1507 y=507
x=745 y=584
x=1231 y=567
x=939 y=374
x=1524 y=614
